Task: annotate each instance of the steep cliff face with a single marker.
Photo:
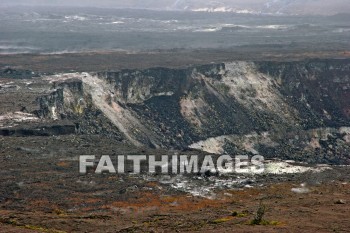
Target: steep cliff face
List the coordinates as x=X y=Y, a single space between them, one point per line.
x=319 y=89
x=297 y=110
x=174 y=108
x=180 y=107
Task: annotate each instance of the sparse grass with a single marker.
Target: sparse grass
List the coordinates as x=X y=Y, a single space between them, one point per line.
x=221 y=220
x=59 y=212
x=15 y=223
x=239 y=215
x=41 y=229
x=259 y=217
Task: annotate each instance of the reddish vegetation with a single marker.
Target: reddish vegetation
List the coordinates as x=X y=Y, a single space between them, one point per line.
x=232 y=210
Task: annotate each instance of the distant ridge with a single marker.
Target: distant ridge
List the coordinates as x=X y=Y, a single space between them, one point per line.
x=285 y=7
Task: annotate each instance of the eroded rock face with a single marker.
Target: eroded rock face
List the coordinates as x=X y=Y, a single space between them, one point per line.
x=277 y=109
x=319 y=89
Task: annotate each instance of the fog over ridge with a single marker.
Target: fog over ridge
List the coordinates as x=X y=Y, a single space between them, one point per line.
x=303 y=7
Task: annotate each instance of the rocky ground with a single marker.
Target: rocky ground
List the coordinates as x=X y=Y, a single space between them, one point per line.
x=42 y=191
x=295 y=109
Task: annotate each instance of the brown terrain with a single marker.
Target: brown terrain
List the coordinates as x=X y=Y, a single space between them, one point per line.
x=41 y=189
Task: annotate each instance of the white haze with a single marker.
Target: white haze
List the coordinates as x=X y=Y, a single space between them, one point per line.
x=303 y=7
